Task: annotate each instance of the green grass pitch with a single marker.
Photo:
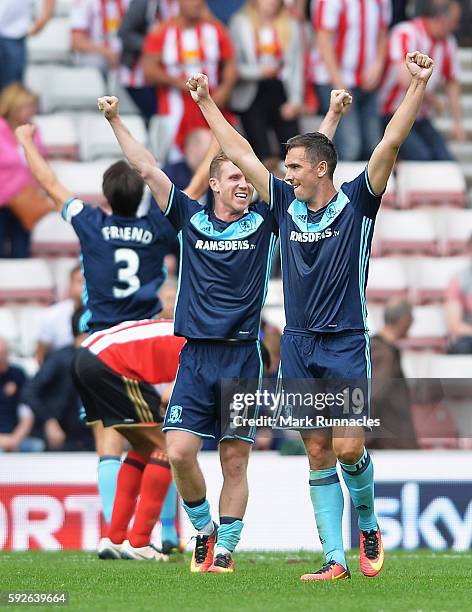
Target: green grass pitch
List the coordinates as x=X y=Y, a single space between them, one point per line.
x=265 y=582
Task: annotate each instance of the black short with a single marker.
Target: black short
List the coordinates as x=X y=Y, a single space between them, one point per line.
x=114 y=399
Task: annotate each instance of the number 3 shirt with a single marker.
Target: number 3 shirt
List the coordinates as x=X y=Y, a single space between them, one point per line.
x=122 y=261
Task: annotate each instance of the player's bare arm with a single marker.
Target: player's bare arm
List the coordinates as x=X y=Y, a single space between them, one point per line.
x=339 y=105
x=40 y=168
x=380 y=166
x=235 y=146
x=138 y=156
x=199 y=183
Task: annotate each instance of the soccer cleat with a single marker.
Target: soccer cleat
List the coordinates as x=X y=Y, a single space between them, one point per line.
x=169 y=547
x=330 y=571
x=371 y=553
x=223 y=564
x=108 y=550
x=142 y=553
x=202 y=556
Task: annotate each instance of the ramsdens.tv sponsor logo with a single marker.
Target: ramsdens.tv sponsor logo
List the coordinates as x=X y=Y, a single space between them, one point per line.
x=223 y=245
x=312 y=236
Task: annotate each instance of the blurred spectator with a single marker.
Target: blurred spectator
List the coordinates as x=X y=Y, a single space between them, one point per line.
x=55 y=330
x=195 y=148
x=15 y=26
x=54 y=400
x=21 y=201
x=271 y=336
x=402 y=10
x=351 y=49
x=270 y=92
x=94 y=25
x=390 y=392
x=225 y=10
x=432 y=34
x=459 y=310
x=177 y=49
x=137 y=21
x=16 y=420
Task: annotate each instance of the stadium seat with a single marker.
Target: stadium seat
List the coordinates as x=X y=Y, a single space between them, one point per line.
x=450 y=366
x=59 y=135
x=430 y=183
x=52 y=236
x=275 y=296
x=9 y=328
x=387 y=278
x=375 y=318
x=65 y=87
x=275 y=315
x=52 y=44
x=347 y=171
x=431 y=276
x=96 y=138
x=23 y=280
x=83 y=179
x=435 y=426
x=415 y=363
x=29 y=321
x=428 y=330
x=160 y=138
x=457 y=230
x=61 y=269
x=406 y=231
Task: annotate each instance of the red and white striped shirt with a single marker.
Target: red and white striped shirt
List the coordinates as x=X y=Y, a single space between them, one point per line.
x=357 y=24
x=414 y=36
x=143 y=350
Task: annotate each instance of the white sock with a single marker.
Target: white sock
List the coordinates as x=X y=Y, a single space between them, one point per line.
x=221 y=550
x=207 y=530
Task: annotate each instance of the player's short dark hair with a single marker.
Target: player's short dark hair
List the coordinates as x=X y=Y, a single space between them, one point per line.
x=123 y=188
x=216 y=163
x=318 y=147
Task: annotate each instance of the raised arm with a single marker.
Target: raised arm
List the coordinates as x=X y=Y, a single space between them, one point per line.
x=339 y=105
x=385 y=154
x=138 y=156
x=40 y=168
x=235 y=146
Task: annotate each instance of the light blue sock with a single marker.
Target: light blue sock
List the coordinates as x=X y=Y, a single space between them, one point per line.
x=199 y=516
x=108 y=468
x=229 y=533
x=359 y=479
x=168 y=512
x=328 y=504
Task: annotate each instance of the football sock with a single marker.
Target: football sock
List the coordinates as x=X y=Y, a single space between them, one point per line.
x=127 y=489
x=199 y=514
x=154 y=484
x=328 y=504
x=168 y=512
x=359 y=479
x=108 y=468
x=229 y=534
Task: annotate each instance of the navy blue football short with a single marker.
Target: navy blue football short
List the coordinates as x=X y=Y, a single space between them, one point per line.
x=211 y=375
x=325 y=374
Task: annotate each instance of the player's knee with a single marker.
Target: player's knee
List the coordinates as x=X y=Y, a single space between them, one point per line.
x=349 y=451
x=234 y=459
x=180 y=458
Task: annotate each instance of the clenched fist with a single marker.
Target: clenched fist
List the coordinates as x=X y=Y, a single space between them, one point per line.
x=109 y=106
x=198 y=87
x=340 y=101
x=25 y=133
x=419 y=65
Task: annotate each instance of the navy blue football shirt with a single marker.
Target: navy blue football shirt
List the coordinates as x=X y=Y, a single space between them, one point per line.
x=123 y=263
x=224 y=269
x=325 y=256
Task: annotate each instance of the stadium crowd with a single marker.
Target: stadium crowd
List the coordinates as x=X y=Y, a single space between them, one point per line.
x=270 y=64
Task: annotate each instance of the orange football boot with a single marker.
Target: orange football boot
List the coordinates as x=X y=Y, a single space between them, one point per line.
x=202 y=556
x=371 y=553
x=223 y=564
x=330 y=571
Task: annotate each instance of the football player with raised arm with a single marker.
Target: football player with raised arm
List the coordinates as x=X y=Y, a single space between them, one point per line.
x=325 y=240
